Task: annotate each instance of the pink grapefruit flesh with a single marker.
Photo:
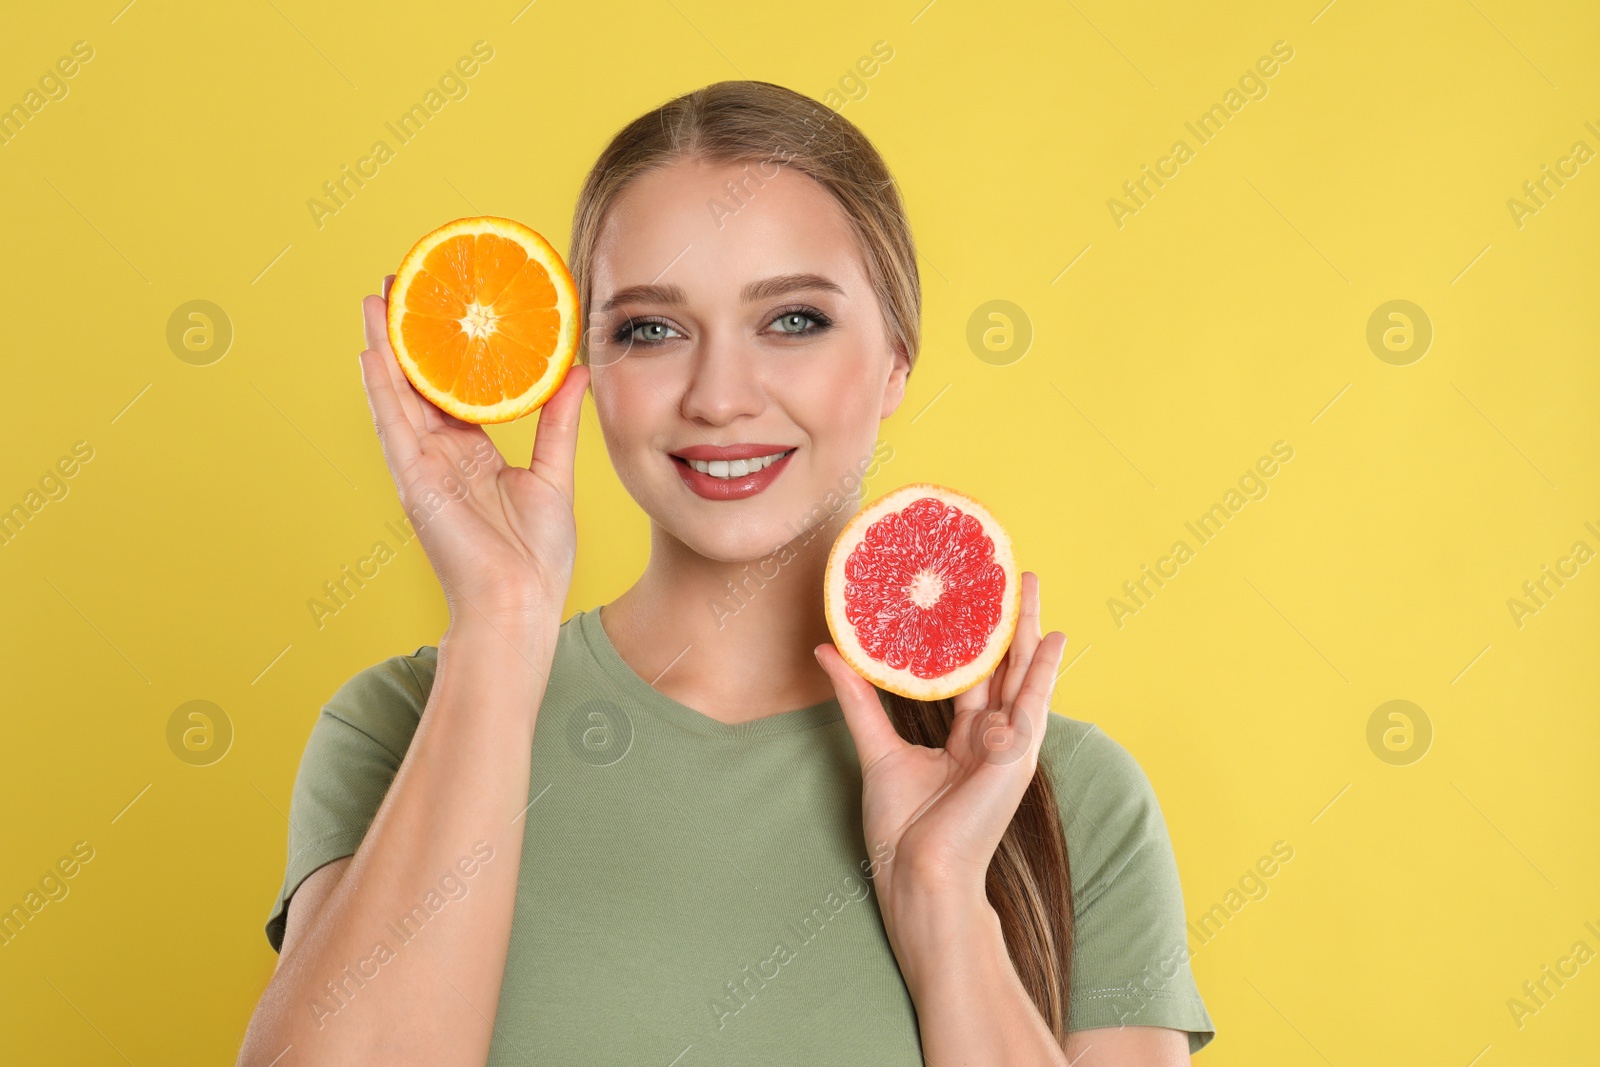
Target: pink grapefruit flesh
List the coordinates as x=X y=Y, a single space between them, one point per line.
x=922 y=592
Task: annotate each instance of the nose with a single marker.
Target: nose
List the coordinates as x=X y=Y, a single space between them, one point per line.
x=724 y=381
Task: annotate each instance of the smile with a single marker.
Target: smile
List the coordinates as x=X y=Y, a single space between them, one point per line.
x=738 y=471
x=737 y=468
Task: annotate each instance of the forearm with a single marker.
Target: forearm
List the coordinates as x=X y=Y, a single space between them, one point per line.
x=429 y=994
x=972 y=1008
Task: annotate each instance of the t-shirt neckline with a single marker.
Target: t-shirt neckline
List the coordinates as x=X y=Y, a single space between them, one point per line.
x=658 y=703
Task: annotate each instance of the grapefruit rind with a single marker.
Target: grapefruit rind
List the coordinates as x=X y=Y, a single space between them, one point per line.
x=900 y=680
x=561 y=359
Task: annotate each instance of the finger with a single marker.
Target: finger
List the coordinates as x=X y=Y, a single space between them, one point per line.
x=875 y=736
x=375 y=322
x=975 y=698
x=1025 y=642
x=1006 y=678
x=424 y=416
x=388 y=280
x=555 y=443
x=1033 y=699
x=395 y=432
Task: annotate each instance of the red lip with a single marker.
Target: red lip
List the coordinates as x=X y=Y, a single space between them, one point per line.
x=730 y=452
x=704 y=485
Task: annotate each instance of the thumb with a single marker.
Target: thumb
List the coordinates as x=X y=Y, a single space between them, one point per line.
x=555 y=443
x=875 y=736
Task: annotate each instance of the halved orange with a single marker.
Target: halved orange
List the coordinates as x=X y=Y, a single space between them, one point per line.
x=483 y=318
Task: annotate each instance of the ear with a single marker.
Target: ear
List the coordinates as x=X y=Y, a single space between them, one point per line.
x=894 y=390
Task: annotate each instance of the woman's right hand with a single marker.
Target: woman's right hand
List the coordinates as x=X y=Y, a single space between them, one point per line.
x=502 y=539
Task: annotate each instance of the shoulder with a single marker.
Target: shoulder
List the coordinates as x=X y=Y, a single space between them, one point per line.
x=1091 y=752
x=1108 y=806
x=384 y=701
x=1130 y=944
x=360 y=738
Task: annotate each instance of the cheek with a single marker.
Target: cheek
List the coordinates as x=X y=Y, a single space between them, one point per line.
x=626 y=402
x=837 y=408
x=630 y=413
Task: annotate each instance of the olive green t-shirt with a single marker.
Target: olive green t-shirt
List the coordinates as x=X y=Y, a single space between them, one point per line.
x=693 y=892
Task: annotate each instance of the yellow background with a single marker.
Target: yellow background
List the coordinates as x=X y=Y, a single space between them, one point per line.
x=1227 y=314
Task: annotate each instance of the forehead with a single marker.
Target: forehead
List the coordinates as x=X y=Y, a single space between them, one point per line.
x=683 y=224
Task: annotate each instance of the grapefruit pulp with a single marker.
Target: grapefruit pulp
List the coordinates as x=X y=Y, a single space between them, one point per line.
x=922 y=592
x=483 y=318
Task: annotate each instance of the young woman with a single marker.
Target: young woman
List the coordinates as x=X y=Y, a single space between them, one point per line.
x=720 y=845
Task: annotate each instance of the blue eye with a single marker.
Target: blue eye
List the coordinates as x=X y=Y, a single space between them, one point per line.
x=793 y=321
x=656 y=332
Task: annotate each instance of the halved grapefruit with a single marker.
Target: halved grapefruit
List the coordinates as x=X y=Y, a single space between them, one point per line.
x=922 y=592
x=483 y=318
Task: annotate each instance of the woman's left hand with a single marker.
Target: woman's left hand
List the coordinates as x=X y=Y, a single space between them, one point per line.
x=933 y=817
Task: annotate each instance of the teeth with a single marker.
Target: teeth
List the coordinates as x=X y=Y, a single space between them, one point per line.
x=738 y=468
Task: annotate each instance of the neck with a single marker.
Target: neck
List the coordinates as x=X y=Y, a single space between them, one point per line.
x=732 y=640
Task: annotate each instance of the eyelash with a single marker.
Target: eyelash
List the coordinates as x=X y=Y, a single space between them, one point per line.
x=822 y=322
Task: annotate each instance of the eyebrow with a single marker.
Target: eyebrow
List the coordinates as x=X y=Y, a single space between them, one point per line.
x=764 y=289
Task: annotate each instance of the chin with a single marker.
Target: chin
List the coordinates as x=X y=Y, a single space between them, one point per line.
x=735 y=542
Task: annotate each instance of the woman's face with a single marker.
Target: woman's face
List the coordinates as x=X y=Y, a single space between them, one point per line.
x=719 y=331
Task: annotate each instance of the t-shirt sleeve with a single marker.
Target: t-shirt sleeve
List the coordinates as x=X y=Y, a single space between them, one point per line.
x=354 y=751
x=1130 y=959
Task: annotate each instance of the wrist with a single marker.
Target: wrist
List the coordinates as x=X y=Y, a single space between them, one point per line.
x=530 y=636
x=944 y=933
x=513 y=611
